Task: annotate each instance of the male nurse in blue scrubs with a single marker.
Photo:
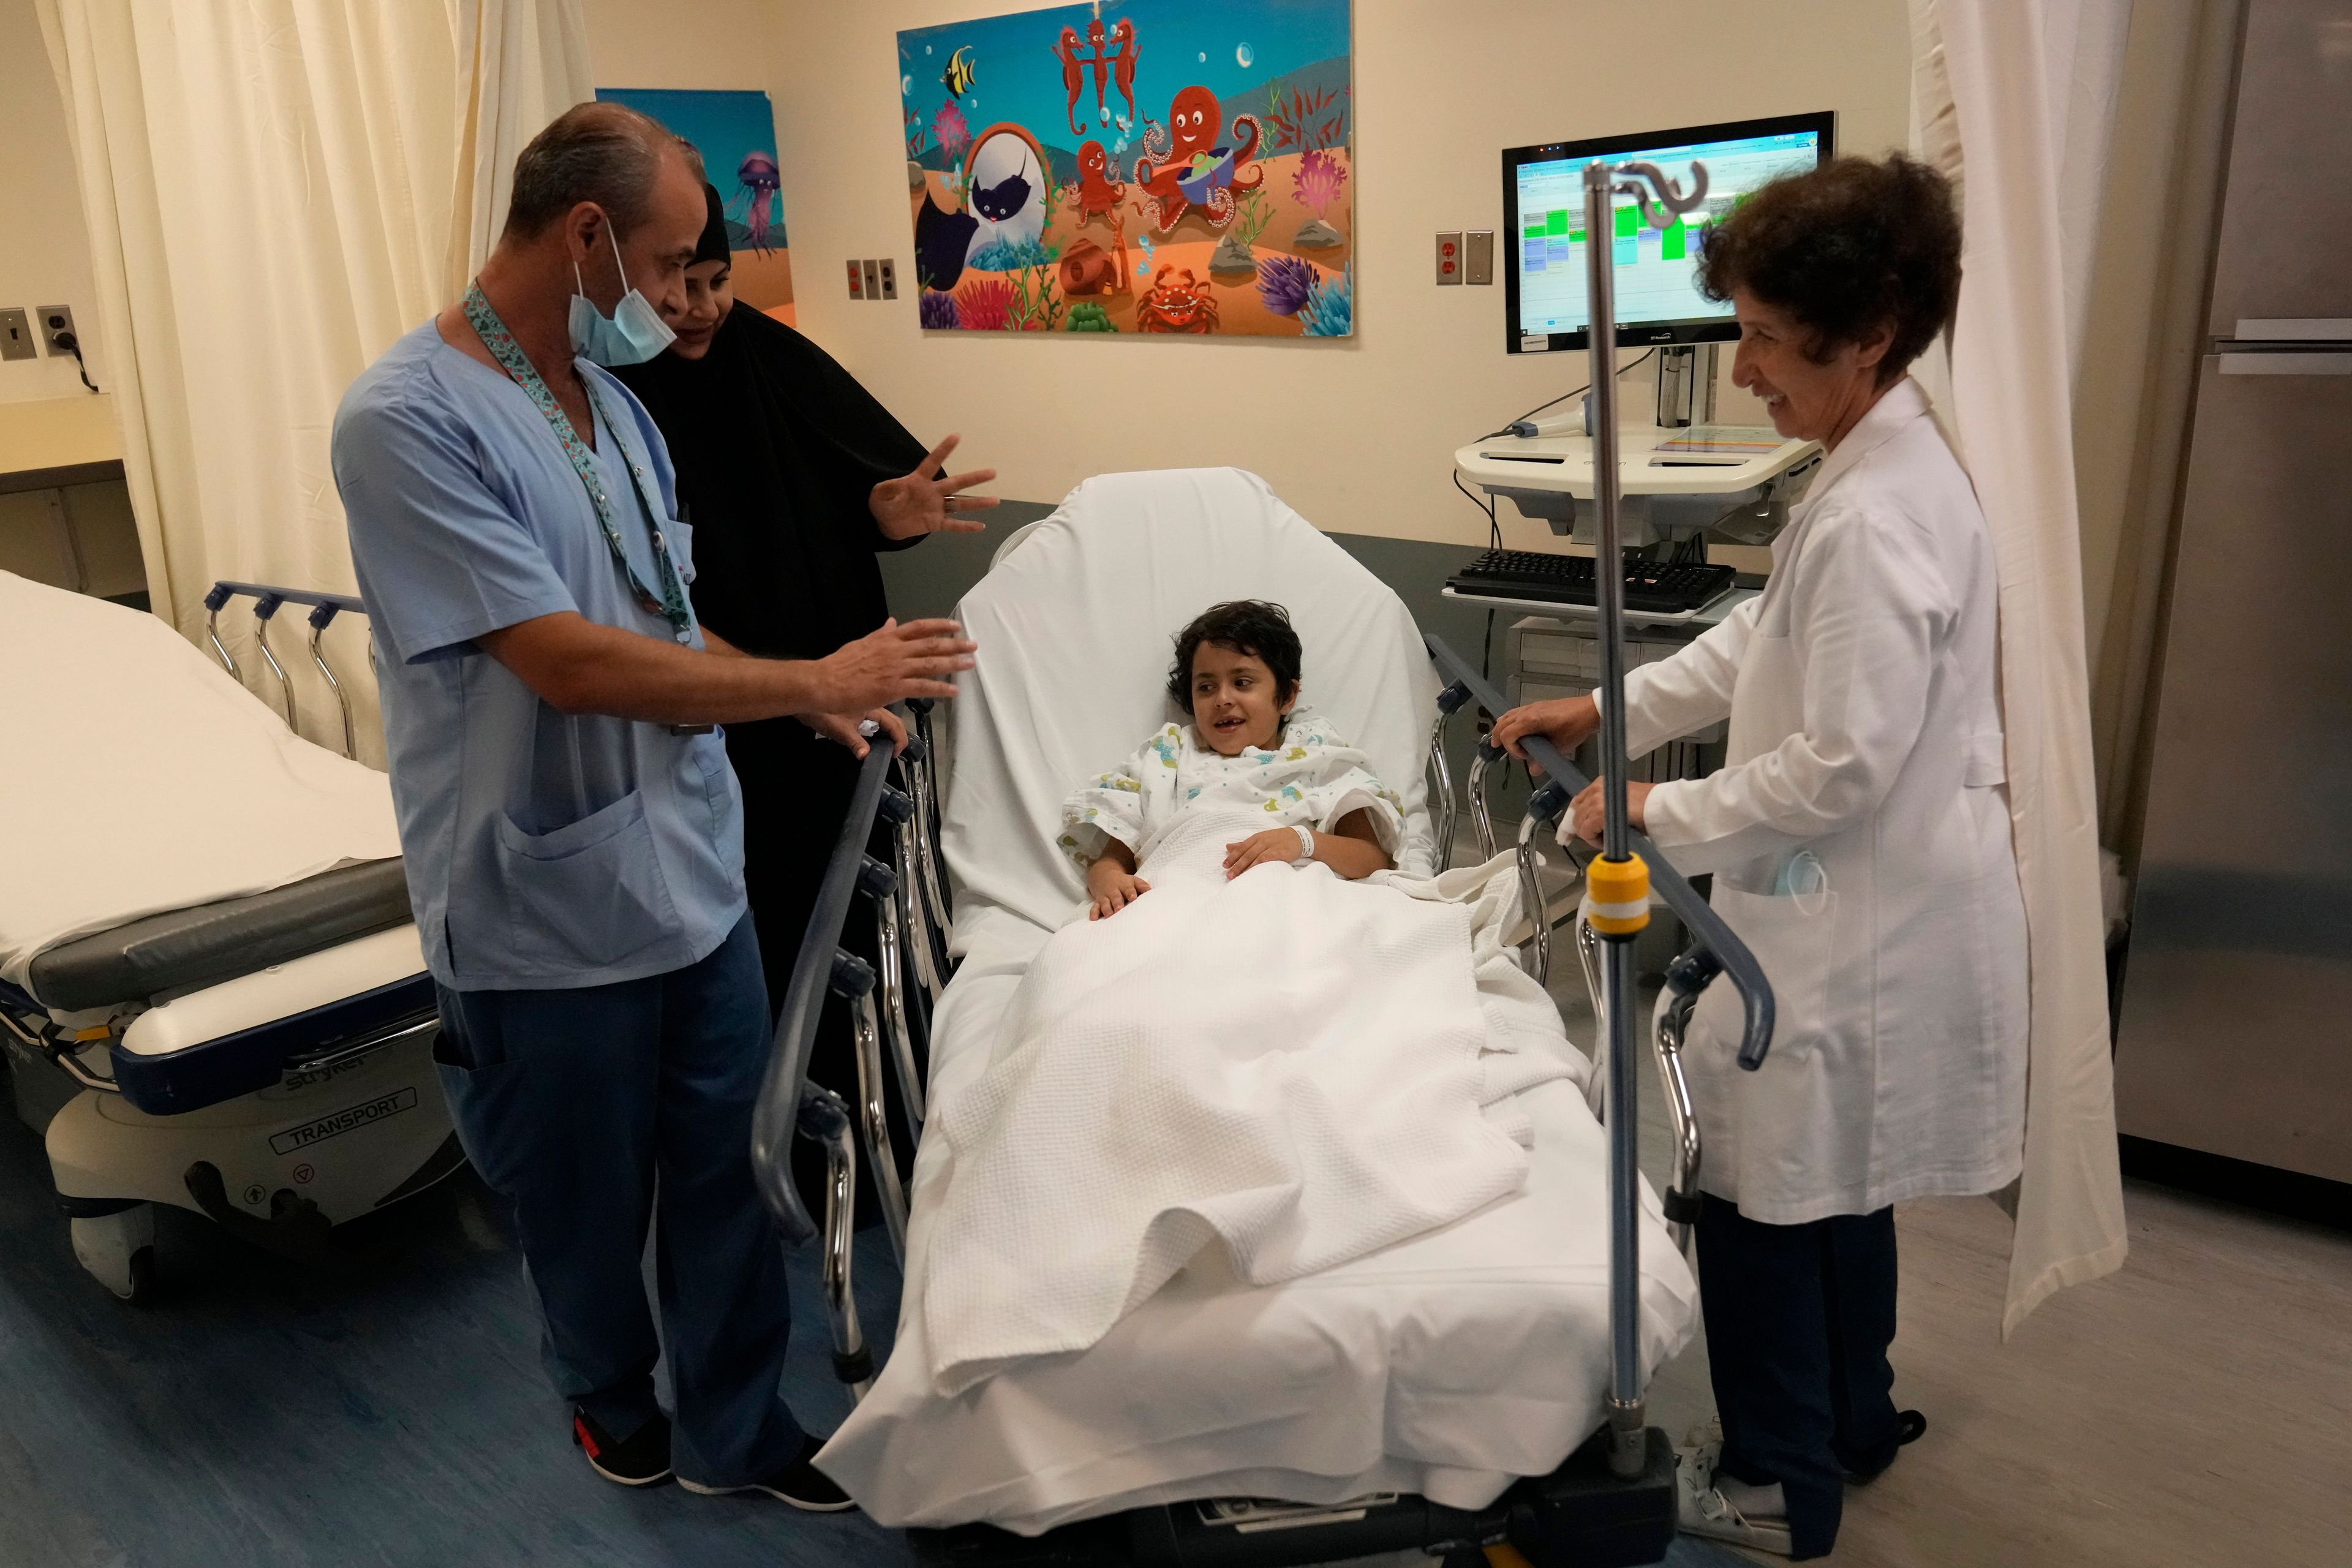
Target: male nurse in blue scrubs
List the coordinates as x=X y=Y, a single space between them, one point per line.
x=573 y=832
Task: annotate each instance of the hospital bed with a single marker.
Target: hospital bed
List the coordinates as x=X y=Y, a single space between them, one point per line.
x=1446 y=1394
x=212 y=994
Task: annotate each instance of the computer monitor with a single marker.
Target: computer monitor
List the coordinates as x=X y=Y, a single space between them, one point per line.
x=1657 y=294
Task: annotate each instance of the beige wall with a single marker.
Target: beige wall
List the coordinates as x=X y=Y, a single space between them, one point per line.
x=44 y=250
x=1357 y=433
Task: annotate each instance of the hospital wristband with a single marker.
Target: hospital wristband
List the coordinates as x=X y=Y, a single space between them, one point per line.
x=1306 y=844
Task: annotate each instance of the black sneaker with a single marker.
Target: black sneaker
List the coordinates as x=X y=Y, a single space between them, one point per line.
x=799 y=1483
x=642 y=1461
x=1909 y=1424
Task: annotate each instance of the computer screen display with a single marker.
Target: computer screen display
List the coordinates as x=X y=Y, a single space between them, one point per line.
x=1656 y=278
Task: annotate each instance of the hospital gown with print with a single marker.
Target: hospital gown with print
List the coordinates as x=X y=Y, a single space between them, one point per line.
x=1310 y=775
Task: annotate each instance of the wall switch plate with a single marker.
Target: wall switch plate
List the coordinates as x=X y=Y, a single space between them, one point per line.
x=54 y=320
x=889 y=278
x=16 y=335
x=1478 y=255
x=873 y=278
x=1449 y=256
x=857 y=281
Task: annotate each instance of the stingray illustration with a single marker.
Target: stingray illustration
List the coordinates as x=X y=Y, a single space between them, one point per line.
x=1006 y=179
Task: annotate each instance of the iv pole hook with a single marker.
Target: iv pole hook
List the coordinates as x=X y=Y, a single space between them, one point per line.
x=1646 y=183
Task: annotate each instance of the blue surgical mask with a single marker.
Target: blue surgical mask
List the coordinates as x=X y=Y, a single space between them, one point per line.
x=633 y=334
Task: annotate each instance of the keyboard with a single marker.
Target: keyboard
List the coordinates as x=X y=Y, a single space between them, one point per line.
x=1658 y=586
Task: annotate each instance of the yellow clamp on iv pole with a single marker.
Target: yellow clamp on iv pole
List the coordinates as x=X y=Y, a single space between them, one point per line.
x=1617 y=896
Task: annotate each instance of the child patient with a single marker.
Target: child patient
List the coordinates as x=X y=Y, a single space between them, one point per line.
x=1249 y=743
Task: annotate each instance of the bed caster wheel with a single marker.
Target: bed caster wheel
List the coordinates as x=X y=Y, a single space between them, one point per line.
x=119 y=1250
x=143 y=1278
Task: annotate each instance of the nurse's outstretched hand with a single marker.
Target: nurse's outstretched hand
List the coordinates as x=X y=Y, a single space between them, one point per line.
x=926 y=501
x=919 y=658
x=1586 y=812
x=1566 y=721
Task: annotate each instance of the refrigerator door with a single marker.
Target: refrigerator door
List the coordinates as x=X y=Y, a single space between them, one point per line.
x=2236 y=1034
x=2286 y=214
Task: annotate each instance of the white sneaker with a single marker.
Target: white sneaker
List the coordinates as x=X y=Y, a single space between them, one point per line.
x=1702 y=1445
x=1702 y=1509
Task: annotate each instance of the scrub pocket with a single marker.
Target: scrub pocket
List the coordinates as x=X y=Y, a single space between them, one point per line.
x=589 y=894
x=485 y=1097
x=1792 y=937
x=712 y=771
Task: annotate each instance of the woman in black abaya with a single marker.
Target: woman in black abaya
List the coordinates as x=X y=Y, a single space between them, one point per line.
x=792 y=477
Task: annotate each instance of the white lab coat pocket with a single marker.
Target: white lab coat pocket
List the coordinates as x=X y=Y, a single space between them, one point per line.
x=1792 y=938
x=589 y=894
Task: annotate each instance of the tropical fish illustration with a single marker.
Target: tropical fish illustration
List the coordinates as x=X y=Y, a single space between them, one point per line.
x=960 y=71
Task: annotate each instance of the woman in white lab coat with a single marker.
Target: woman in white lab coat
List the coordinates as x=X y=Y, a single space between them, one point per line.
x=1858 y=834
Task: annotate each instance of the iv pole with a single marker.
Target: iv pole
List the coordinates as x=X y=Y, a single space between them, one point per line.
x=1617 y=887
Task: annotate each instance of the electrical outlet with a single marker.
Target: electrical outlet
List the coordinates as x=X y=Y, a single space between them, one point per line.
x=16 y=335
x=873 y=278
x=1449 y=256
x=857 y=281
x=889 y=278
x=1478 y=255
x=56 y=320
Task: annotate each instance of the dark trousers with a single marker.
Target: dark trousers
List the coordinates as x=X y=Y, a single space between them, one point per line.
x=589 y=1108
x=1799 y=1320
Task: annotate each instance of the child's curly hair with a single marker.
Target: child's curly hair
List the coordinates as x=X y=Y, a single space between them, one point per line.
x=1249 y=627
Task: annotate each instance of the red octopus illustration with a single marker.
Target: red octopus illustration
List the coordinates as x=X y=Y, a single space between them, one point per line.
x=1182 y=304
x=1197 y=171
x=1098 y=194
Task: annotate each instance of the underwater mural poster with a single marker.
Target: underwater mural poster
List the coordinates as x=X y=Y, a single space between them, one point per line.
x=1177 y=166
x=735 y=134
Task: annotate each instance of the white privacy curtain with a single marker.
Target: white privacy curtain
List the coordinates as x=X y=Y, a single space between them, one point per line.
x=1983 y=96
x=276 y=190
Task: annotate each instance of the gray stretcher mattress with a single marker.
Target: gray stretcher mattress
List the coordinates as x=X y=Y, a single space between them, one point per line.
x=206 y=944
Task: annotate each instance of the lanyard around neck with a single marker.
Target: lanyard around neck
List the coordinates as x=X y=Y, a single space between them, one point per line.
x=670 y=603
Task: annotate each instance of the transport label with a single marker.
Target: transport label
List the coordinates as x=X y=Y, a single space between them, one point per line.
x=340 y=1121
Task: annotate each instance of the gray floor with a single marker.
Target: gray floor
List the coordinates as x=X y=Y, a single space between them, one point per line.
x=394 y=1412
x=2193 y=1410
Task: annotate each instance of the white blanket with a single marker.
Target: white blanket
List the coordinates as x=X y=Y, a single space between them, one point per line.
x=141 y=778
x=1289 y=1064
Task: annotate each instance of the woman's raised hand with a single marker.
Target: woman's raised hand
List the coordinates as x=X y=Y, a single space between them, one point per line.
x=1566 y=721
x=921 y=659
x=918 y=504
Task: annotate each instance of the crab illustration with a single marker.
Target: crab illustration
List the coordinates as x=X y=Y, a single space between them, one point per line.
x=1180 y=303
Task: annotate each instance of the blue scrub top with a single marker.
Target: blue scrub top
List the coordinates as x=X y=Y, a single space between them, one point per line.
x=543 y=851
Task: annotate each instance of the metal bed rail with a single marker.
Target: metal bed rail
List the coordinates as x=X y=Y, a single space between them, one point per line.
x=1686 y=976
x=267 y=601
x=889 y=1001
x=1564 y=784
x=1717 y=950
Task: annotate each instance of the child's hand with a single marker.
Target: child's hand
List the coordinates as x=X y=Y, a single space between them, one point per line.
x=1112 y=887
x=1278 y=846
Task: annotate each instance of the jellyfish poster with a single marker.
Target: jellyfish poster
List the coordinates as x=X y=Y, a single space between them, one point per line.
x=735 y=134
x=1167 y=166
